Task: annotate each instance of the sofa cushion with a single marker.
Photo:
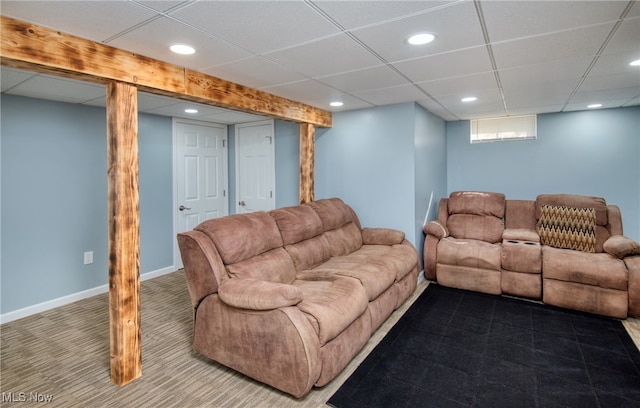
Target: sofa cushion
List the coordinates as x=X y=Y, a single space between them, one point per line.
x=599 y=269
x=400 y=258
x=340 y=224
x=230 y=233
x=344 y=240
x=472 y=226
x=477 y=202
x=382 y=236
x=273 y=266
x=331 y=303
x=309 y=253
x=469 y=253
x=621 y=246
x=297 y=223
x=567 y=227
x=333 y=212
x=256 y=294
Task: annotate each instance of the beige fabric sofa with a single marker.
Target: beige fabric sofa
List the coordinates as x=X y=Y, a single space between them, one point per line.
x=566 y=250
x=289 y=297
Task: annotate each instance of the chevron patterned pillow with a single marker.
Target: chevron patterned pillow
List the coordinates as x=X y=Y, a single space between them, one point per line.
x=568 y=227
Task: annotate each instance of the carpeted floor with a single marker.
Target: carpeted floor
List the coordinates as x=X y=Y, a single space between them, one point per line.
x=456 y=348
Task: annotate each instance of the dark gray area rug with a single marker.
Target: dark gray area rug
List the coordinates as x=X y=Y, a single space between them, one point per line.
x=456 y=348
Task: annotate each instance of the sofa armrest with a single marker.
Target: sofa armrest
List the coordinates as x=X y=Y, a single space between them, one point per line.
x=620 y=246
x=256 y=294
x=436 y=229
x=520 y=234
x=382 y=236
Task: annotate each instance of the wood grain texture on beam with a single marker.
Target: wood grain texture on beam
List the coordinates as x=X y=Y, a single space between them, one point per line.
x=124 y=232
x=31 y=47
x=307 y=162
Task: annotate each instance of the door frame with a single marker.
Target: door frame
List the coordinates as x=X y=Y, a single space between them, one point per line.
x=177 y=261
x=270 y=122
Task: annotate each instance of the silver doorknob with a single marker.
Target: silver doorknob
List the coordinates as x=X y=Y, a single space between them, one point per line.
x=182 y=208
x=241 y=203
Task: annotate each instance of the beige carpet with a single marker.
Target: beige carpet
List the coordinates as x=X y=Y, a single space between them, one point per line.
x=63 y=354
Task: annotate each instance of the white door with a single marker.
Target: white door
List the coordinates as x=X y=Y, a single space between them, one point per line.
x=255 y=167
x=200 y=175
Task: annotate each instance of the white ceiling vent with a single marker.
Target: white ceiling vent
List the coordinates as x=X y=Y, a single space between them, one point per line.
x=505 y=128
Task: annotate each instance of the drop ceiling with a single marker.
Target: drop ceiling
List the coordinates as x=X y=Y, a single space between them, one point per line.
x=515 y=57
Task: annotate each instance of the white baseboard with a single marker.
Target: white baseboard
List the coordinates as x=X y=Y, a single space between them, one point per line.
x=74 y=297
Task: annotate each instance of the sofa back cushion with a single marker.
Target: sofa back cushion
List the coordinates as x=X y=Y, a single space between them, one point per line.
x=476 y=215
x=598 y=204
x=340 y=224
x=302 y=234
x=250 y=245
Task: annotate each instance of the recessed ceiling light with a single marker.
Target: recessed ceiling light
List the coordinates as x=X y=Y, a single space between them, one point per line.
x=421 y=38
x=635 y=63
x=191 y=110
x=594 y=105
x=336 y=104
x=182 y=49
x=469 y=99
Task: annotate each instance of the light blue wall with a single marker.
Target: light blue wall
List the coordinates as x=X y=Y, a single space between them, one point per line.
x=287 y=163
x=589 y=152
x=430 y=168
x=384 y=162
x=367 y=159
x=54 y=198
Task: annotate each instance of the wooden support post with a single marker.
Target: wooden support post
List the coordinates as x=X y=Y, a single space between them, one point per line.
x=124 y=232
x=307 y=157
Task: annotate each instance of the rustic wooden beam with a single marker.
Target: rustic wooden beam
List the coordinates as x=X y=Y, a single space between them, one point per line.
x=28 y=46
x=124 y=232
x=307 y=154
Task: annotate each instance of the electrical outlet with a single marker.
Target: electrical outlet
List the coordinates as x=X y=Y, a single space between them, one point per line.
x=88 y=257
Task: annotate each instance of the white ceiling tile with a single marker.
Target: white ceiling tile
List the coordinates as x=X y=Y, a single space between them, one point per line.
x=389 y=40
x=627 y=33
x=613 y=81
x=438 y=111
x=47 y=87
x=259 y=26
x=616 y=64
x=459 y=63
x=364 y=79
x=631 y=102
x=161 y=5
x=552 y=70
x=93 y=20
x=255 y=72
x=603 y=95
x=153 y=40
x=582 y=42
x=309 y=91
x=354 y=14
x=582 y=105
x=533 y=108
x=542 y=50
x=12 y=77
x=465 y=85
x=517 y=19
x=393 y=95
x=489 y=100
x=543 y=93
x=328 y=56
